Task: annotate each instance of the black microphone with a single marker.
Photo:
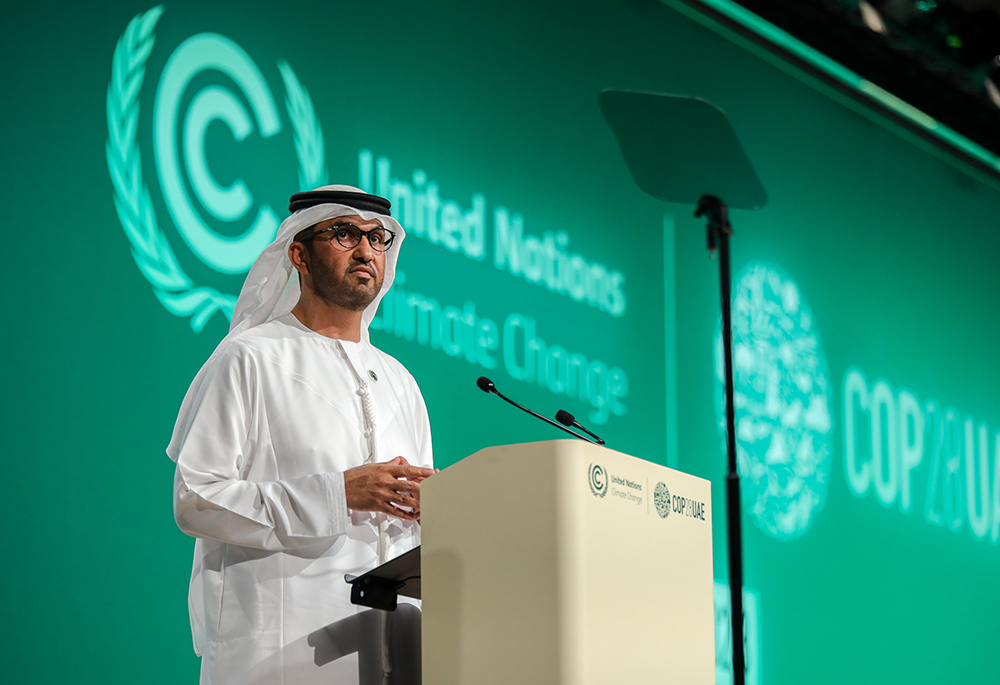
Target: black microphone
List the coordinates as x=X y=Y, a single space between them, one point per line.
x=567 y=419
x=487 y=386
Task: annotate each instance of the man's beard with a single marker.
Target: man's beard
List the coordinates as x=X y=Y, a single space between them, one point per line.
x=338 y=291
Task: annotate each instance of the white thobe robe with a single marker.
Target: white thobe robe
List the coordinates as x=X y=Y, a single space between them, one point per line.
x=267 y=429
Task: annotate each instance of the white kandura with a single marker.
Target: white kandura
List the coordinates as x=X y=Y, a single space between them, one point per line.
x=264 y=435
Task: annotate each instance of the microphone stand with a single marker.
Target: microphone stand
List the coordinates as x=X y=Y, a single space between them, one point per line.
x=487 y=386
x=717 y=218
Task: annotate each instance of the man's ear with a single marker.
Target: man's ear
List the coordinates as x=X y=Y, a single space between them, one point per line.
x=298 y=255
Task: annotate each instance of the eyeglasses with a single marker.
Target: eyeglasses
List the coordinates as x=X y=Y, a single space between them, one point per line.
x=349 y=235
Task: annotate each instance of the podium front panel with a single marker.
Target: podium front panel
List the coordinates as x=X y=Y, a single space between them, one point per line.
x=565 y=563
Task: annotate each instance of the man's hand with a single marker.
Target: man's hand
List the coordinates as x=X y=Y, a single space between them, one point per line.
x=386 y=487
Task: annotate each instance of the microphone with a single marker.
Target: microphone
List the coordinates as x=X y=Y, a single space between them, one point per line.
x=487 y=386
x=567 y=419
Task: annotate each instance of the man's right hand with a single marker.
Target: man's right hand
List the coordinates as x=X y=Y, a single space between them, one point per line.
x=386 y=487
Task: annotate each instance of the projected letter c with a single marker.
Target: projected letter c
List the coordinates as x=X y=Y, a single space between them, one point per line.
x=859 y=476
x=231 y=255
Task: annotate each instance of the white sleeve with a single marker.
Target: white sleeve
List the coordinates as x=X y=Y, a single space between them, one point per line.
x=423 y=429
x=210 y=444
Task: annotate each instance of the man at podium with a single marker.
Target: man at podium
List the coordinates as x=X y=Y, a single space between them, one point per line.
x=300 y=449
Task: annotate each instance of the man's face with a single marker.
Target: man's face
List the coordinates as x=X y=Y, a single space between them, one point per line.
x=346 y=277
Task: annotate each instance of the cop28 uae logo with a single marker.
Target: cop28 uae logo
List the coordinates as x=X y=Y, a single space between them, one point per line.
x=598 y=479
x=661 y=498
x=195 y=200
x=782 y=394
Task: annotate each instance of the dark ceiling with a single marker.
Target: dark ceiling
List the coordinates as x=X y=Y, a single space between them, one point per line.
x=936 y=55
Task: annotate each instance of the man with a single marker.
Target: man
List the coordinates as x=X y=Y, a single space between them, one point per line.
x=294 y=447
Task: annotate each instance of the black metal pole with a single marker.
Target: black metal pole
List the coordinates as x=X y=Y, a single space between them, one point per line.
x=719 y=231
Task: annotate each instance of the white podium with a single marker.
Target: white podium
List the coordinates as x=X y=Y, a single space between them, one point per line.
x=564 y=563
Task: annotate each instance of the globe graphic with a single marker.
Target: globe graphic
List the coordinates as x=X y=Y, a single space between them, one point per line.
x=661 y=498
x=781 y=401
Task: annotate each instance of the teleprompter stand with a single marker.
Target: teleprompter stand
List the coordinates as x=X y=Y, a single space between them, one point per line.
x=684 y=150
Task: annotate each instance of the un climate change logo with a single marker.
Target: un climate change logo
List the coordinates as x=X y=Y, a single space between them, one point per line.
x=181 y=164
x=782 y=392
x=598 y=478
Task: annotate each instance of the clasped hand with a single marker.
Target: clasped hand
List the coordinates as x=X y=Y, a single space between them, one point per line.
x=392 y=487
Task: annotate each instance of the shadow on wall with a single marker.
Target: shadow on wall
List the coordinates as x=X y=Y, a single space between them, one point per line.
x=361 y=634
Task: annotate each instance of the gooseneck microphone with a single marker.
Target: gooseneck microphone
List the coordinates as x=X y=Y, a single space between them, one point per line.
x=567 y=419
x=487 y=386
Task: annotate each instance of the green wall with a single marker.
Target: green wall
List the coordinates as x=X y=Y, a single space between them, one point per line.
x=881 y=251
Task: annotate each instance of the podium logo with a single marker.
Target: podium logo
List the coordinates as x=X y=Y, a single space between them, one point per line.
x=661 y=498
x=783 y=425
x=598 y=478
x=209 y=89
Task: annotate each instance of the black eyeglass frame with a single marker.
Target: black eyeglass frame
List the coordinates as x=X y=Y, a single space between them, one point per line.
x=362 y=235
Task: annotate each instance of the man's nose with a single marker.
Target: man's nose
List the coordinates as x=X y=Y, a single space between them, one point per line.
x=364 y=251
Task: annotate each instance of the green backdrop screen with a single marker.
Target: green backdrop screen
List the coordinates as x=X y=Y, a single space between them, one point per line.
x=149 y=152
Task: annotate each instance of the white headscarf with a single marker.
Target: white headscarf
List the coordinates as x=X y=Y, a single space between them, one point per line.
x=271 y=290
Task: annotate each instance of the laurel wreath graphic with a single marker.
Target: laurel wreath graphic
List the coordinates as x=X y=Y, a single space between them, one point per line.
x=152 y=253
x=305 y=128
